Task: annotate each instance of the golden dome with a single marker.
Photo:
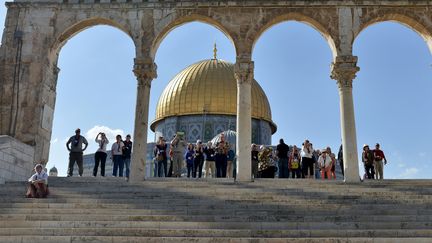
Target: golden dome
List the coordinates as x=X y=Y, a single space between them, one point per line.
x=208 y=87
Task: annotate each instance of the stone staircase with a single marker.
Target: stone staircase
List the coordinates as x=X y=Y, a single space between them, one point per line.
x=181 y=210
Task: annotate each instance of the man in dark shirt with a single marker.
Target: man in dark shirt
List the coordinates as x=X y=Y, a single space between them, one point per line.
x=340 y=159
x=282 y=153
x=127 y=150
x=210 y=163
x=74 y=145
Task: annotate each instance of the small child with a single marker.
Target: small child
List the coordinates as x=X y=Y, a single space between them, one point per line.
x=189 y=156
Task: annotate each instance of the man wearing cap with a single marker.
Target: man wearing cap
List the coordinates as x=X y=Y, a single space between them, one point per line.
x=178 y=146
x=76 y=152
x=378 y=162
x=368 y=158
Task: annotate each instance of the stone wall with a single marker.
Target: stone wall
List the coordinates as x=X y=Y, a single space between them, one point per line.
x=16 y=160
x=207 y=127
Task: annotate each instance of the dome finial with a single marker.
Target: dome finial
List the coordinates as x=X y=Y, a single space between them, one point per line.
x=215 y=51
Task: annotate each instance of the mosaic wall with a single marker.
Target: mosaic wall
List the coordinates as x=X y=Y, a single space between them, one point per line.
x=206 y=127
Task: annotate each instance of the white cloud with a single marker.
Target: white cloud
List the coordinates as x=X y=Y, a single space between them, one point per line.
x=401 y=164
x=109 y=132
x=409 y=173
x=55 y=140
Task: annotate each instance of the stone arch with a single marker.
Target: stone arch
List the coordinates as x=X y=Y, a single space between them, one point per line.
x=77 y=27
x=424 y=31
x=66 y=31
x=181 y=20
x=302 y=19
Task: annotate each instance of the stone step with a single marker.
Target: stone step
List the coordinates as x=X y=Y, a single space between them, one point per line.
x=132 y=239
x=102 y=209
x=232 y=233
x=226 y=180
x=275 y=183
x=228 y=194
x=215 y=218
x=192 y=211
x=210 y=201
x=212 y=205
x=368 y=225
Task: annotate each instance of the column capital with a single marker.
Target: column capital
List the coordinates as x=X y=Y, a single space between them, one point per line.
x=145 y=70
x=344 y=70
x=244 y=71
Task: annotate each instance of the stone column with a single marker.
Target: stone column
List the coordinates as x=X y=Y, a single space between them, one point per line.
x=344 y=71
x=243 y=70
x=145 y=71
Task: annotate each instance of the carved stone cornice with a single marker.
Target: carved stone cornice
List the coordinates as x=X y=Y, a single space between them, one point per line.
x=344 y=71
x=145 y=70
x=244 y=71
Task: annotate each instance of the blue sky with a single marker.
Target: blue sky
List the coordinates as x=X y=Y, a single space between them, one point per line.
x=96 y=88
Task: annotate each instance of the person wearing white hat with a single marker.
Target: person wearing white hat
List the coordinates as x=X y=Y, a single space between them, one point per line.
x=325 y=164
x=38 y=186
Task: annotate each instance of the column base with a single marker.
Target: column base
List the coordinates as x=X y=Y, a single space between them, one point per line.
x=244 y=179
x=352 y=180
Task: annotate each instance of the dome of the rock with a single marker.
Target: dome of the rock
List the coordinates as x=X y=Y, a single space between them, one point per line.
x=202 y=101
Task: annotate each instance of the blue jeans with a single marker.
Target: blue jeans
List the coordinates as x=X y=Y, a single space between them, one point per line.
x=118 y=164
x=283 y=168
x=127 y=164
x=162 y=165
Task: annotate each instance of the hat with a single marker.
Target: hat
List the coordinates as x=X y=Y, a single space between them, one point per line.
x=324 y=150
x=365 y=145
x=199 y=141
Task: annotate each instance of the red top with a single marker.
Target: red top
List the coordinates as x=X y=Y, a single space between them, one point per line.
x=378 y=154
